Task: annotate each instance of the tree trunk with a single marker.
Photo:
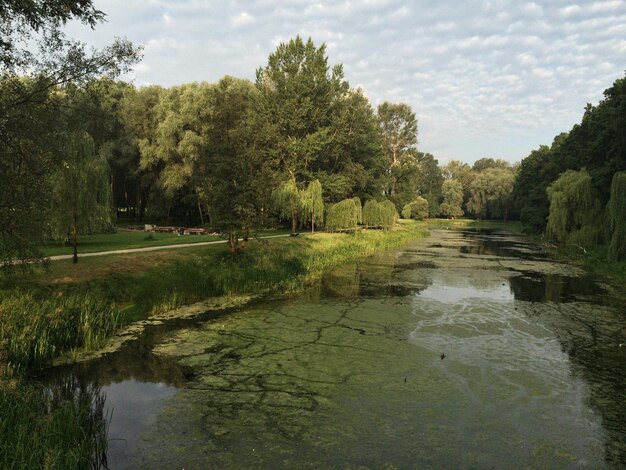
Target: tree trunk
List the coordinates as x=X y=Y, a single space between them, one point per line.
x=75 y=239
x=294 y=221
x=200 y=212
x=312 y=223
x=232 y=242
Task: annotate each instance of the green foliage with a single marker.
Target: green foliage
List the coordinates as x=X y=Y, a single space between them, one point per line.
x=574 y=210
x=491 y=192
x=417 y=209
x=36 y=328
x=81 y=201
x=62 y=426
x=287 y=199
x=313 y=203
x=380 y=214
x=343 y=215
x=452 y=192
x=617 y=218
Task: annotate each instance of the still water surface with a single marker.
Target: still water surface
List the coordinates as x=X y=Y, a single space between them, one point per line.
x=463 y=350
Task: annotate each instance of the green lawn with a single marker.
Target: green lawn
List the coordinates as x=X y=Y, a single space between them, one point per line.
x=125 y=240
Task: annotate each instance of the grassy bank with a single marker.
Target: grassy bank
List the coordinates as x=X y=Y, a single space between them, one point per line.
x=511 y=225
x=79 y=306
x=49 y=314
x=123 y=240
x=595 y=260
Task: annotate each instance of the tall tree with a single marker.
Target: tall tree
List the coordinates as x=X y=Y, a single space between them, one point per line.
x=452 y=193
x=30 y=111
x=574 y=210
x=233 y=172
x=81 y=199
x=398 y=126
x=313 y=203
x=299 y=94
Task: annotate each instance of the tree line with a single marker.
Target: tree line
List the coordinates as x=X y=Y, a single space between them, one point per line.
x=574 y=190
x=299 y=145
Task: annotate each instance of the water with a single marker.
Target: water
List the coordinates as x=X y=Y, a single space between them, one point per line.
x=464 y=350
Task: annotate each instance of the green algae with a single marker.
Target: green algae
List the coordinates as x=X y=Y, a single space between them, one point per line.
x=133 y=331
x=459 y=351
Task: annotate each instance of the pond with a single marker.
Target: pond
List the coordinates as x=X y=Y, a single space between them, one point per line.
x=463 y=350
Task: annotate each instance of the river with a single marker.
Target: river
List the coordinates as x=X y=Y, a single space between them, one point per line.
x=467 y=349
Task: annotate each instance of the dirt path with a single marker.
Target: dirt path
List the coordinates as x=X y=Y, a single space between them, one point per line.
x=150 y=248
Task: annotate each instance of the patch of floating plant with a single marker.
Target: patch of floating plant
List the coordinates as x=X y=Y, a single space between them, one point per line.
x=135 y=329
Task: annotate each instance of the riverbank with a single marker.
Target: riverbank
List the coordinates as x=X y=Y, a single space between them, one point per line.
x=60 y=312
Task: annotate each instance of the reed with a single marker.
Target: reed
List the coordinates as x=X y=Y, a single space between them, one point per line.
x=35 y=326
x=58 y=427
x=277 y=265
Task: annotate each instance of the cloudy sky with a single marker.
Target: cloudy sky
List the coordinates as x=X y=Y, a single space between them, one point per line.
x=485 y=78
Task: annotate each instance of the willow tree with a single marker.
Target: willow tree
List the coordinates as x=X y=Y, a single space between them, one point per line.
x=417 y=209
x=313 y=203
x=617 y=217
x=380 y=214
x=452 y=192
x=574 y=210
x=81 y=198
x=344 y=215
x=287 y=199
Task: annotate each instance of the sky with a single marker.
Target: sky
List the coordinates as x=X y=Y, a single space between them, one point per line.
x=485 y=78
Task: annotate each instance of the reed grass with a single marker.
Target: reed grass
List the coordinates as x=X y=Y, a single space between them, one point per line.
x=278 y=265
x=36 y=326
x=54 y=428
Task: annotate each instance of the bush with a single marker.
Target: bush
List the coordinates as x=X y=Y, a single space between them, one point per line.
x=380 y=214
x=417 y=209
x=344 y=215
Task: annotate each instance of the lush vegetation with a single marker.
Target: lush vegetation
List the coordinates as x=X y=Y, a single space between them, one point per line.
x=298 y=147
x=573 y=190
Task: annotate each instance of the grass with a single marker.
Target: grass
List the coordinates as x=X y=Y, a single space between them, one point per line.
x=595 y=260
x=127 y=240
x=511 y=225
x=79 y=306
x=59 y=427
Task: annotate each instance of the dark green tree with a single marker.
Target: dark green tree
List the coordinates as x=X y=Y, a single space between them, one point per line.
x=81 y=199
x=574 y=210
x=452 y=193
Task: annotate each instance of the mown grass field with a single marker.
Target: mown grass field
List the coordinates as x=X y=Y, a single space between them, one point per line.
x=123 y=240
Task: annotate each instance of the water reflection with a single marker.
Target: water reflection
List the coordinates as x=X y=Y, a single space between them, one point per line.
x=350 y=374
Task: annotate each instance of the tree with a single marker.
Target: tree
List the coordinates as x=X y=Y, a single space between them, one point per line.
x=288 y=200
x=81 y=201
x=430 y=181
x=231 y=172
x=398 y=126
x=399 y=129
x=343 y=215
x=31 y=113
x=574 y=210
x=462 y=173
x=313 y=203
x=380 y=214
x=417 y=209
x=299 y=94
x=452 y=192
x=617 y=217
x=177 y=154
x=490 y=193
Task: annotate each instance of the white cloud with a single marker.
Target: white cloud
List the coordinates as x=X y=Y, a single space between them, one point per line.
x=510 y=73
x=242 y=19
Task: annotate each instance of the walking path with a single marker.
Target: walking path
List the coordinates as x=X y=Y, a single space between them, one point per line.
x=150 y=248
